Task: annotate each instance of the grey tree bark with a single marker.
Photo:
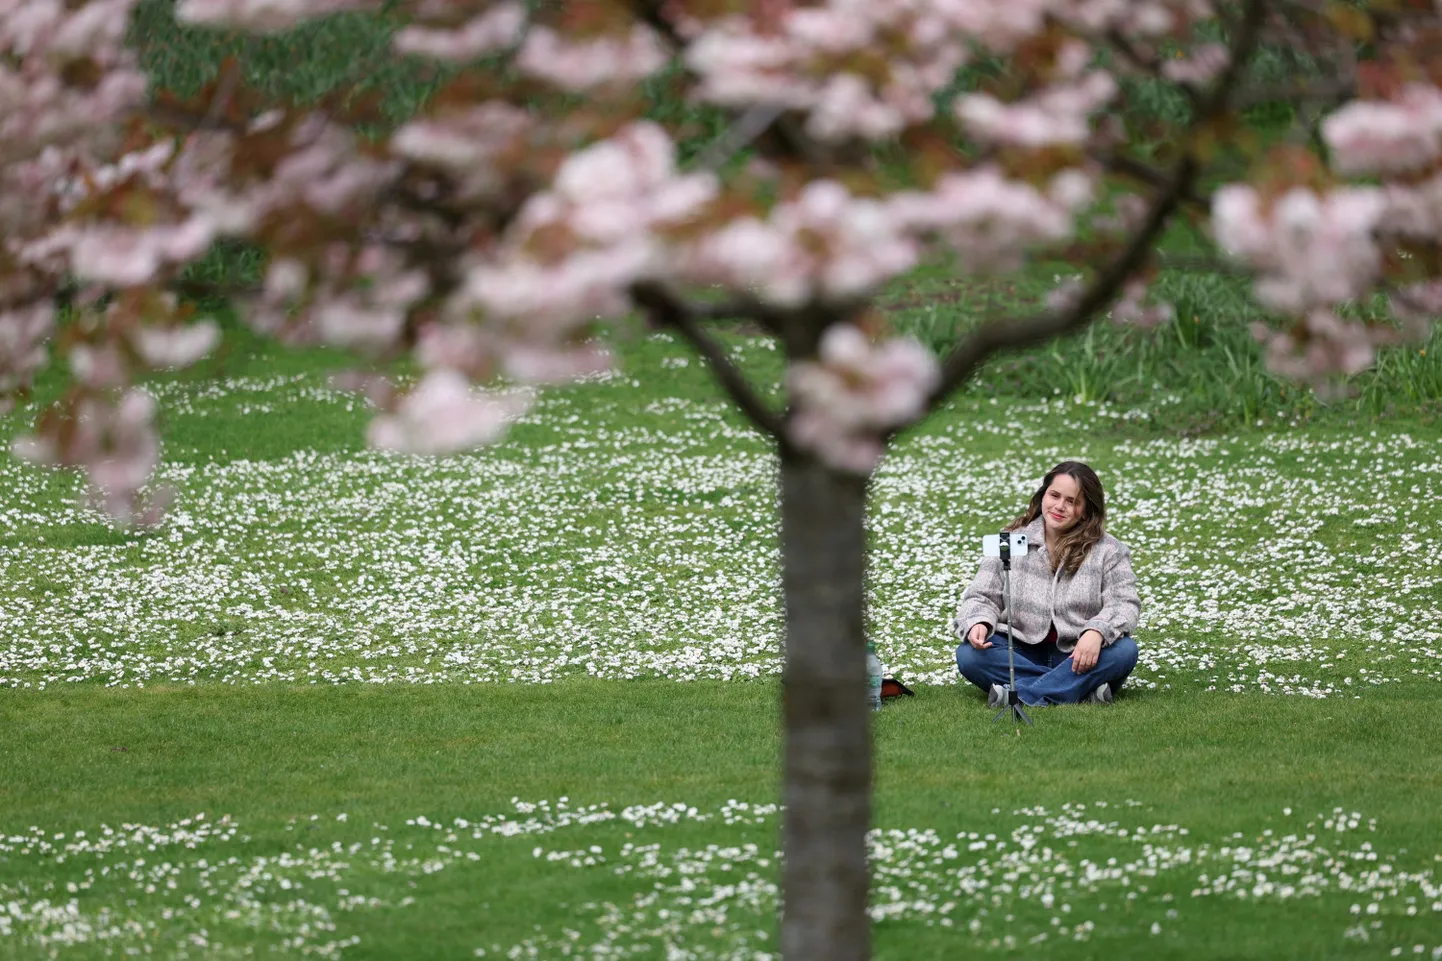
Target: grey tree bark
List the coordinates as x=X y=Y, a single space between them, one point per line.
x=827 y=756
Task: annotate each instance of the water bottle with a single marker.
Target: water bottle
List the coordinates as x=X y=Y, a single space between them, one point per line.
x=873 y=676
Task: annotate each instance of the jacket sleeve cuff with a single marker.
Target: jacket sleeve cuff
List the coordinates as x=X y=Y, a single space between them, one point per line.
x=1108 y=633
x=962 y=624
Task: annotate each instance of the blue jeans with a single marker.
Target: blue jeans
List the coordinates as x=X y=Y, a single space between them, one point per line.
x=1043 y=672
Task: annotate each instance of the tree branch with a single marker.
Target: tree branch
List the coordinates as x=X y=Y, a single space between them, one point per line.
x=1150 y=64
x=1151 y=176
x=669 y=310
x=995 y=336
x=649 y=13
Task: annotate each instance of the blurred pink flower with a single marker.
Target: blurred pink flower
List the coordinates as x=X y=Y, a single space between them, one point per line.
x=608 y=200
x=493 y=29
x=1332 y=346
x=581 y=64
x=466 y=144
x=1059 y=114
x=23 y=333
x=164 y=347
x=854 y=392
x=1310 y=251
x=1379 y=137
x=130 y=256
x=113 y=439
x=262 y=16
x=990 y=220
x=1131 y=307
x=825 y=244
x=531 y=364
x=443 y=415
x=98 y=366
x=1201 y=65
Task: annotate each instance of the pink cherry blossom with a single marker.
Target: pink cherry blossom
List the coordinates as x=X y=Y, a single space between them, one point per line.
x=1132 y=309
x=1201 y=66
x=1379 y=137
x=610 y=198
x=164 y=347
x=581 y=64
x=997 y=26
x=1332 y=346
x=23 y=332
x=129 y=256
x=100 y=366
x=325 y=172
x=1059 y=114
x=114 y=439
x=1311 y=251
x=608 y=190
x=360 y=302
x=39 y=105
x=1139 y=18
x=1414 y=209
x=812 y=65
x=992 y=220
x=492 y=30
x=1416 y=305
x=444 y=415
x=545 y=364
x=739 y=67
x=855 y=391
x=466 y=144
x=468 y=348
x=262 y=16
x=556 y=297
x=825 y=244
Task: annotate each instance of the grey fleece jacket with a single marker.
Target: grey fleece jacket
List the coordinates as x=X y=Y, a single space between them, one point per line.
x=1101 y=596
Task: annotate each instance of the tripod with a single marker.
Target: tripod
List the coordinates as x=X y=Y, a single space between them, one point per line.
x=1013 y=699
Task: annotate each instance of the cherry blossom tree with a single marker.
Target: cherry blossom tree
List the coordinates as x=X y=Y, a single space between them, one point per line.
x=530 y=203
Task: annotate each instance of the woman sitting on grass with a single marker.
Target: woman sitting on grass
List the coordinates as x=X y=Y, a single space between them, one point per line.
x=1075 y=597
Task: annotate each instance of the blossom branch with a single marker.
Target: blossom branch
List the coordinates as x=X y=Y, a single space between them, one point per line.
x=649 y=13
x=1153 y=177
x=1119 y=41
x=1000 y=335
x=669 y=310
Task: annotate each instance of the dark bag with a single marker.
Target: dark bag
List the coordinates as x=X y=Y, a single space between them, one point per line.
x=891 y=687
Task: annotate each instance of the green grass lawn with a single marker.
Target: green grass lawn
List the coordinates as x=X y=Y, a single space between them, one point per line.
x=1196 y=825
x=369 y=706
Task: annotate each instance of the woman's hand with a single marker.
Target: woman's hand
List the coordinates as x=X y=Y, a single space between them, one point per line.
x=977 y=636
x=1088 y=649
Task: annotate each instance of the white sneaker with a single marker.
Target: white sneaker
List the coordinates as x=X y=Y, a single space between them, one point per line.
x=997 y=698
x=1102 y=695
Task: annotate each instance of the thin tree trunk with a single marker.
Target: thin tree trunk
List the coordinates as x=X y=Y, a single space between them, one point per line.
x=827 y=766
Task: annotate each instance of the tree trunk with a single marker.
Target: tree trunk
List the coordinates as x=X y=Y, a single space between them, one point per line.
x=827 y=767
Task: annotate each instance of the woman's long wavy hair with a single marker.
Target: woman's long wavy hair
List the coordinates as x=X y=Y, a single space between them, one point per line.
x=1076 y=543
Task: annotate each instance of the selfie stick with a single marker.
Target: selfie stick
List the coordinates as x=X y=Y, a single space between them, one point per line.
x=1013 y=699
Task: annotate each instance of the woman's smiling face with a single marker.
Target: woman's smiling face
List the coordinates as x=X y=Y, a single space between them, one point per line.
x=1061 y=505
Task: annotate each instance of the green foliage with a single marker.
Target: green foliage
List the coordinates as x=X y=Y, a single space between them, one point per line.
x=1203 y=371
x=1207 y=360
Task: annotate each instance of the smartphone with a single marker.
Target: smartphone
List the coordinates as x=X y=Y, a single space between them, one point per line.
x=991 y=544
